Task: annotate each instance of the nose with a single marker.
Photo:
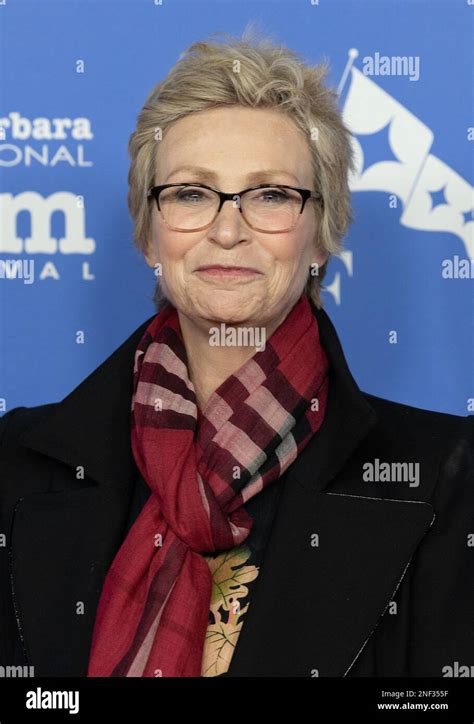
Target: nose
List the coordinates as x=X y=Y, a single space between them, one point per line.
x=229 y=227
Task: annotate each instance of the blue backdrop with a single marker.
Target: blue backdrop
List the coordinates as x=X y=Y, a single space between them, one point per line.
x=400 y=296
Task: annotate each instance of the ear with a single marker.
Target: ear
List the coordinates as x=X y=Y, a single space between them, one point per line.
x=320 y=258
x=150 y=254
x=149 y=259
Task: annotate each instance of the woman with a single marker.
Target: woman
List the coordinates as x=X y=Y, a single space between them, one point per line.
x=201 y=504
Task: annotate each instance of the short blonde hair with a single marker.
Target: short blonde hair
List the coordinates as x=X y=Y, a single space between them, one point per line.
x=253 y=72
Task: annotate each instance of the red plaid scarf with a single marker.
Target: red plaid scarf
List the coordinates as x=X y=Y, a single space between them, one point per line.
x=201 y=468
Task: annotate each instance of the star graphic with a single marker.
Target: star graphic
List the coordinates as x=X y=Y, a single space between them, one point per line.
x=376 y=147
x=438 y=197
x=468 y=215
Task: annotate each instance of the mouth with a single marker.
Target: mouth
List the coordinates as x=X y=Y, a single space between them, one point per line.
x=228 y=272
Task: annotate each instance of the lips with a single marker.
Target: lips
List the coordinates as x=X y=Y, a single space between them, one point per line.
x=228 y=274
x=219 y=267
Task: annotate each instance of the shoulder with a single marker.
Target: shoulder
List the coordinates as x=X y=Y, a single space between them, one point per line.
x=427 y=427
x=442 y=444
x=111 y=376
x=22 y=471
x=19 y=419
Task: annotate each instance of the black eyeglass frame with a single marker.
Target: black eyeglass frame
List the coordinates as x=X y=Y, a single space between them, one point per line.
x=155 y=191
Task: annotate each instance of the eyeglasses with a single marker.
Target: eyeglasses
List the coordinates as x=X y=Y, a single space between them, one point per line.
x=193 y=207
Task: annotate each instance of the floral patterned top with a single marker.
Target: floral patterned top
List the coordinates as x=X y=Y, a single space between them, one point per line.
x=233 y=575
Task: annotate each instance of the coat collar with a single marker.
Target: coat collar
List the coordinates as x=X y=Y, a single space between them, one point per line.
x=330 y=598
x=91 y=426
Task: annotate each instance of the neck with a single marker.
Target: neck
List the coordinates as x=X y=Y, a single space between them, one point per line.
x=209 y=366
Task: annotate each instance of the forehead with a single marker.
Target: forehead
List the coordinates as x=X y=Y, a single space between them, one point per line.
x=230 y=140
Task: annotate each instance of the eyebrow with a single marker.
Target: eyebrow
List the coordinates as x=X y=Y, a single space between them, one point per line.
x=202 y=174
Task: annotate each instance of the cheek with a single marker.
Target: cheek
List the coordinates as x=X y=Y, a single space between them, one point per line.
x=294 y=248
x=165 y=242
x=171 y=246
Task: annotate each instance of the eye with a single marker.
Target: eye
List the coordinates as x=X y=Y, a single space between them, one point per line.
x=191 y=194
x=272 y=196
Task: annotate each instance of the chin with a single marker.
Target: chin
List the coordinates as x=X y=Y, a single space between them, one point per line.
x=224 y=303
x=233 y=314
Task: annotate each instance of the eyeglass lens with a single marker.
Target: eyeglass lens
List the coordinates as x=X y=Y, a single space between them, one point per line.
x=193 y=207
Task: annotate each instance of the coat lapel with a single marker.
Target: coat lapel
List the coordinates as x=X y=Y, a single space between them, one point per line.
x=331 y=566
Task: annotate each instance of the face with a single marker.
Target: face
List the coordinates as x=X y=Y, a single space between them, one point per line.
x=238 y=148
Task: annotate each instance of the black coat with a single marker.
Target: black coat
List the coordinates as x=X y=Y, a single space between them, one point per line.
x=388 y=591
